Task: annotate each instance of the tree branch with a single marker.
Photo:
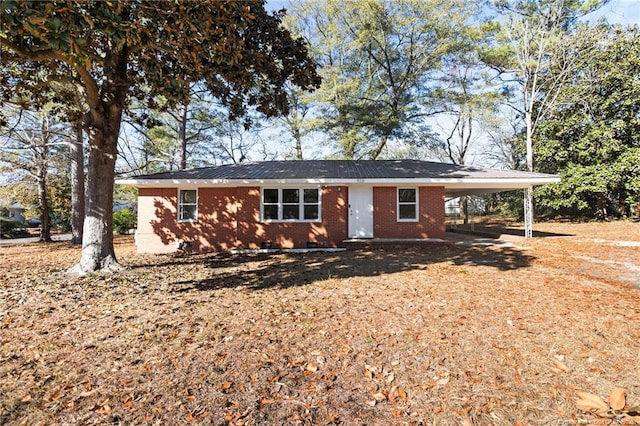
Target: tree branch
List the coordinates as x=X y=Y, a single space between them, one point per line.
x=30 y=55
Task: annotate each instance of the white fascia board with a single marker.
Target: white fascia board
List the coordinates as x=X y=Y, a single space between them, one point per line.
x=510 y=182
x=515 y=183
x=171 y=183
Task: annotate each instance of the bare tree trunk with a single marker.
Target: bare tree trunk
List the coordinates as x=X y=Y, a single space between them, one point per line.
x=528 y=212
x=465 y=209
x=43 y=200
x=528 y=192
x=182 y=136
x=601 y=212
x=378 y=149
x=42 y=163
x=77 y=184
x=295 y=130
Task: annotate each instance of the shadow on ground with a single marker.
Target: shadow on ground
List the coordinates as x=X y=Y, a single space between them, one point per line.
x=497 y=230
x=263 y=271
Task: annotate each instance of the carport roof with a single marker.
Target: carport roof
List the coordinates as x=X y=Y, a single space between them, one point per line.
x=457 y=180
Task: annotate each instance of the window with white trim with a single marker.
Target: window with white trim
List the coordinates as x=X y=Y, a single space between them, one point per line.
x=290 y=204
x=187 y=205
x=407 y=204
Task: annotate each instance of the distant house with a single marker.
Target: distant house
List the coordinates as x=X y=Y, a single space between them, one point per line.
x=16 y=212
x=291 y=204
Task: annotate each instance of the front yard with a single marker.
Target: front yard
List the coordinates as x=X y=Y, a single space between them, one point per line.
x=460 y=334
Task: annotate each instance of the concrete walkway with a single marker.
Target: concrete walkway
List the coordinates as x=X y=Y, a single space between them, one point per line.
x=460 y=238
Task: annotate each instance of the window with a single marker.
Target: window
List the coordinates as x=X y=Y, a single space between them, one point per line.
x=311 y=204
x=187 y=205
x=407 y=204
x=291 y=204
x=270 y=204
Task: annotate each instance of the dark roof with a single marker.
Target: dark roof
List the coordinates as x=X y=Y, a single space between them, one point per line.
x=337 y=169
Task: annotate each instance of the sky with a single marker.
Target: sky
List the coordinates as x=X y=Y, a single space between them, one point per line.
x=625 y=12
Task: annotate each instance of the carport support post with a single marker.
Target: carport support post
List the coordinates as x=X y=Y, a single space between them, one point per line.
x=528 y=212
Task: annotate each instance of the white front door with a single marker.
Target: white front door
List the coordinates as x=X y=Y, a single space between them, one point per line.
x=360 y=212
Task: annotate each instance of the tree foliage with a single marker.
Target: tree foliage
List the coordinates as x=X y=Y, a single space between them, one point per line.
x=163 y=139
x=380 y=62
x=124 y=220
x=116 y=51
x=534 y=38
x=593 y=139
x=32 y=148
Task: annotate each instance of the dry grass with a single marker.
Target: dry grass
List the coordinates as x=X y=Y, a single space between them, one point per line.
x=488 y=335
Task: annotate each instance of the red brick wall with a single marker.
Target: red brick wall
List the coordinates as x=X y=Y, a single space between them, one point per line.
x=230 y=217
x=430 y=222
x=159 y=230
x=328 y=233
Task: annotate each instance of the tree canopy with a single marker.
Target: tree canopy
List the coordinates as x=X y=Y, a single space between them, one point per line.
x=116 y=51
x=593 y=139
x=380 y=62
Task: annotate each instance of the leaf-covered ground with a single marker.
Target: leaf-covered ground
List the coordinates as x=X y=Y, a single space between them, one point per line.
x=440 y=335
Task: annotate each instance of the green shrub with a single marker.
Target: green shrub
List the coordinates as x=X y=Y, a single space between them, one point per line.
x=10 y=228
x=123 y=220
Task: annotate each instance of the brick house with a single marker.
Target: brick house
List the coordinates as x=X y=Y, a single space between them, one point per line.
x=297 y=204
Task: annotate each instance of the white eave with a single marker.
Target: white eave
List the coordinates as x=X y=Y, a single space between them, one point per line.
x=468 y=185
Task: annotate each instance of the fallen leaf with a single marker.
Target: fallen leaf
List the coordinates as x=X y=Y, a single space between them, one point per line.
x=402 y=394
x=592 y=403
x=627 y=419
x=560 y=365
x=634 y=411
x=443 y=381
x=312 y=367
x=379 y=396
x=617 y=399
x=105 y=409
x=464 y=411
x=225 y=386
x=87 y=393
x=393 y=393
x=332 y=419
x=368 y=373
